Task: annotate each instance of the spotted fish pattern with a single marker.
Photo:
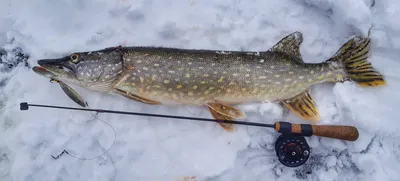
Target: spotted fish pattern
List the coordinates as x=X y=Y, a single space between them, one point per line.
x=217 y=79
x=171 y=75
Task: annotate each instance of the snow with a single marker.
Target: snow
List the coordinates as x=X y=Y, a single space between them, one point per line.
x=165 y=149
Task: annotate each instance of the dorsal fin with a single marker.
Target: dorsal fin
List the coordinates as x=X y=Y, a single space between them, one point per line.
x=290 y=45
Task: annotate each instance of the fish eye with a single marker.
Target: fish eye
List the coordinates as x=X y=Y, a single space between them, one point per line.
x=74 y=58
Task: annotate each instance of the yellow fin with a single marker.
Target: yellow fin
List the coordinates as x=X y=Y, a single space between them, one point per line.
x=226 y=126
x=223 y=112
x=353 y=55
x=136 y=98
x=227 y=110
x=304 y=106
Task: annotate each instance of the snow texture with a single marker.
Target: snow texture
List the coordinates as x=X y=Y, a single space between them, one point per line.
x=164 y=149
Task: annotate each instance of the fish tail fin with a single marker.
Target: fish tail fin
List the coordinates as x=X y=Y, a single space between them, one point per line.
x=353 y=57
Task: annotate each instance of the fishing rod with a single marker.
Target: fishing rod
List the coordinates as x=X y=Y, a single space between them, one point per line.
x=291 y=147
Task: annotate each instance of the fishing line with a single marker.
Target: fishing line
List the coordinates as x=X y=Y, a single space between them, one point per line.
x=82 y=158
x=291 y=147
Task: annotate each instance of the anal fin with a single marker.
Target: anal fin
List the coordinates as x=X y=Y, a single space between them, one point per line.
x=136 y=97
x=304 y=106
x=224 y=112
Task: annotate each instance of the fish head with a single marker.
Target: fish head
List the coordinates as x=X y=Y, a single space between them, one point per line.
x=87 y=69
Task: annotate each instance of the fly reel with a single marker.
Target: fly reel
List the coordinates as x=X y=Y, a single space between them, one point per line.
x=292 y=150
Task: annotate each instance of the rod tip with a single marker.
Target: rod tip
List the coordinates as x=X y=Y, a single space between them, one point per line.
x=23 y=106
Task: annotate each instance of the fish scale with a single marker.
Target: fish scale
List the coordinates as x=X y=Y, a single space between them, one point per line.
x=227 y=76
x=217 y=79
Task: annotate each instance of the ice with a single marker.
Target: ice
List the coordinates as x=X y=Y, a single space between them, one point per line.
x=165 y=149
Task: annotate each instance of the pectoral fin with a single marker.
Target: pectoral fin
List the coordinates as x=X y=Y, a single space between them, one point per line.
x=224 y=112
x=227 y=110
x=226 y=126
x=136 y=97
x=304 y=106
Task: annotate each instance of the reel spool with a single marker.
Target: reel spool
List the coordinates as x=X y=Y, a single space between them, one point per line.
x=292 y=150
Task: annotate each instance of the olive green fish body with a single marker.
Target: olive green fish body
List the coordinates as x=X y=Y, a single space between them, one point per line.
x=217 y=79
x=201 y=76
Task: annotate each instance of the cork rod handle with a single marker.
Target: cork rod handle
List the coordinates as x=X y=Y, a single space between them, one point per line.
x=348 y=133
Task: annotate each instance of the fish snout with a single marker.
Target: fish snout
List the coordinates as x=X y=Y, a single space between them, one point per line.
x=42 y=62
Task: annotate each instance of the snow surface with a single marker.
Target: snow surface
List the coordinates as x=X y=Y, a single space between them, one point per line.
x=164 y=149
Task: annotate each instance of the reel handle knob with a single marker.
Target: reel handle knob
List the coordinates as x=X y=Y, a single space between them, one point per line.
x=348 y=133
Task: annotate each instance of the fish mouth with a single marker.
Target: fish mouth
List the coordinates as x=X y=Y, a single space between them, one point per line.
x=57 y=66
x=42 y=71
x=60 y=68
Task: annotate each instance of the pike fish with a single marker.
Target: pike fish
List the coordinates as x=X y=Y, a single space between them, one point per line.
x=217 y=79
